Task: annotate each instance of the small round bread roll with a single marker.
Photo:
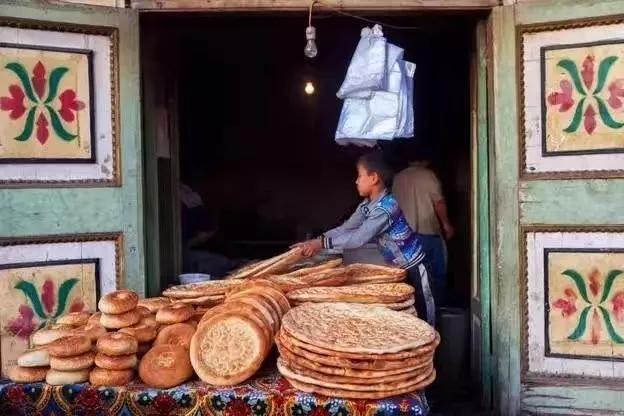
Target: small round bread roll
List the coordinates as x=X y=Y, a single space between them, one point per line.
x=120 y=301
x=122 y=320
x=143 y=311
x=37 y=357
x=78 y=362
x=119 y=362
x=176 y=334
x=69 y=346
x=165 y=366
x=173 y=314
x=150 y=320
x=142 y=332
x=154 y=304
x=95 y=317
x=74 y=319
x=103 y=377
x=60 y=378
x=92 y=330
x=27 y=374
x=116 y=343
x=46 y=336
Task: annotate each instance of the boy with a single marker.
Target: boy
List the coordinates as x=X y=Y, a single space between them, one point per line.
x=378 y=218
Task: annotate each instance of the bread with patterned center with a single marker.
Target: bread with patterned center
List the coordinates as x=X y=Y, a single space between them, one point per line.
x=165 y=366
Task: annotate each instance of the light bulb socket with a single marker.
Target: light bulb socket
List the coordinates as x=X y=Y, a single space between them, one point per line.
x=310 y=33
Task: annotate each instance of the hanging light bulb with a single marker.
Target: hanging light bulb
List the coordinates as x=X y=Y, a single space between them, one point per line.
x=309 y=88
x=310 y=49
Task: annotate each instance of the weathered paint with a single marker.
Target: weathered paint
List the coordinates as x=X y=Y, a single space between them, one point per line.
x=30 y=212
x=504 y=191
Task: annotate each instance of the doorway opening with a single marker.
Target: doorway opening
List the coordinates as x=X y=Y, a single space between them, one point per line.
x=241 y=132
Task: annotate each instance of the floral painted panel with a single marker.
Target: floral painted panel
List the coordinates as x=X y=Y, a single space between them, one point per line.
x=586 y=303
x=45 y=105
x=583 y=87
x=34 y=294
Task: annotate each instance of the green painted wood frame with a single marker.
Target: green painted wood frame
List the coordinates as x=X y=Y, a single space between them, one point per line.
x=88 y=209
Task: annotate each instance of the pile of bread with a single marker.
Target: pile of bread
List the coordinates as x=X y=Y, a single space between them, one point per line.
x=351 y=350
x=224 y=330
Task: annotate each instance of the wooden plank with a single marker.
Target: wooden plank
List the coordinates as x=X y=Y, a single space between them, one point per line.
x=572 y=400
x=29 y=212
x=504 y=170
x=556 y=10
x=97 y=3
x=243 y=5
x=576 y=202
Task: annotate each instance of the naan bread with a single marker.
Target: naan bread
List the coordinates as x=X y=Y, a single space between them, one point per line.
x=371 y=293
x=197 y=290
x=356 y=328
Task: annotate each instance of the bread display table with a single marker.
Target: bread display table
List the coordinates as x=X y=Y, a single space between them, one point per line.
x=267 y=394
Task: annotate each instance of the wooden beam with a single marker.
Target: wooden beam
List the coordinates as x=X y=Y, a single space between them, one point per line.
x=290 y=5
x=99 y=3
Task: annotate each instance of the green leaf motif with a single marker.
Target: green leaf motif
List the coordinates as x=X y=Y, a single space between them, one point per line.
x=572 y=70
x=22 y=74
x=33 y=295
x=615 y=337
x=58 y=126
x=606 y=116
x=613 y=274
x=582 y=325
x=578 y=117
x=580 y=283
x=28 y=126
x=64 y=292
x=55 y=79
x=603 y=71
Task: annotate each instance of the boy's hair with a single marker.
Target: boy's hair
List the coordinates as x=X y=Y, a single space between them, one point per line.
x=374 y=163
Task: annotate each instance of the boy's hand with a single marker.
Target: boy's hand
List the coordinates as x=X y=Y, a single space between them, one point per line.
x=310 y=248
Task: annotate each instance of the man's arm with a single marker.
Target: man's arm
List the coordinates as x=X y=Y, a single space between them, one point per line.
x=376 y=223
x=442 y=214
x=350 y=224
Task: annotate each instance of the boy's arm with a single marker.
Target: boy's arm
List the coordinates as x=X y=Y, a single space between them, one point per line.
x=376 y=223
x=351 y=224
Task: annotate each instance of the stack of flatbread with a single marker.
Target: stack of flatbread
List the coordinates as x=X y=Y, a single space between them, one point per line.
x=203 y=294
x=397 y=296
x=349 y=350
x=326 y=274
x=371 y=273
x=267 y=267
x=233 y=339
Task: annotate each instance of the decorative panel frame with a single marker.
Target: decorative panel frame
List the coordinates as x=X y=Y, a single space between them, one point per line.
x=581 y=107
x=99 y=112
x=543 y=302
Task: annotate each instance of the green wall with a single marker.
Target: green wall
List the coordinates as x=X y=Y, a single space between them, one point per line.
x=31 y=212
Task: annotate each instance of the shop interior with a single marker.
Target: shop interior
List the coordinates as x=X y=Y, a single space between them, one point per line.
x=260 y=151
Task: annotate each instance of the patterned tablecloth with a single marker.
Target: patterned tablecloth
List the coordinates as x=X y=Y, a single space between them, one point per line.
x=266 y=395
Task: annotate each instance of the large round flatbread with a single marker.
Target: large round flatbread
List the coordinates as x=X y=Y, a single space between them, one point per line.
x=203 y=300
x=369 y=273
x=372 y=293
x=250 y=309
x=334 y=277
x=349 y=394
x=269 y=266
x=426 y=349
x=263 y=305
x=315 y=269
x=343 y=371
x=275 y=298
x=291 y=374
x=360 y=364
x=198 y=290
x=352 y=327
x=300 y=369
x=228 y=349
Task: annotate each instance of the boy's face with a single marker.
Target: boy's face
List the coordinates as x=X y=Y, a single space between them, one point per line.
x=366 y=181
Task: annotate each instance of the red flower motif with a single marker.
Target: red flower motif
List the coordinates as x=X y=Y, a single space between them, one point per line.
x=282 y=385
x=616 y=91
x=588 y=71
x=42 y=129
x=77 y=306
x=69 y=105
x=88 y=401
x=319 y=411
x=39 y=79
x=590 y=119
x=596 y=327
x=14 y=103
x=164 y=404
x=237 y=407
x=567 y=304
x=48 y=296
x=16 y=396
x=23 y=325
x=618 y=306
x=564 y=98
x=361 y=405
x=594 y=283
